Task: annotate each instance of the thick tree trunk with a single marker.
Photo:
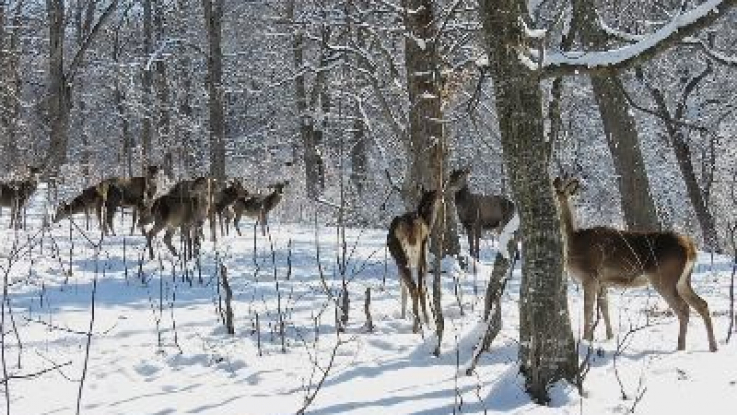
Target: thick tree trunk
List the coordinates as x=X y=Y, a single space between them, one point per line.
x=620 y=129
x=10 y=86
x=161 y=85
x=59 y=92
x=426 y=156
x=310 y=128
x=189 y=142
x=547 y=351
x=359 y=155
x=213 y=22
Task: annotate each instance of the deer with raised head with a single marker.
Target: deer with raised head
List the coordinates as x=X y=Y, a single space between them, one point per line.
x=185 y=208
x=134 y=192
x=478 y=212
x=225 y=198
x=601 y=257
x=258 y=206
x=407 y=242
x=16 y=193
x=90 y=198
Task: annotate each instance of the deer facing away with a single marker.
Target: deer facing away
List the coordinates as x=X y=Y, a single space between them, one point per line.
x=185 y=208
x=225 y=198
x=16 y=193
x=479 y=212
x=600 y=257
x=407 y=242
x=132 y=192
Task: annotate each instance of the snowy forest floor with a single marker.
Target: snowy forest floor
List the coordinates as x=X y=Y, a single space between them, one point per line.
x=158 y=345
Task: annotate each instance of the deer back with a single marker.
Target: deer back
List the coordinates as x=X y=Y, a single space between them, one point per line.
x=627 y=258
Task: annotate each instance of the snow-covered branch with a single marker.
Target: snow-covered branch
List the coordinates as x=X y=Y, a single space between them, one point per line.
x=681 y=27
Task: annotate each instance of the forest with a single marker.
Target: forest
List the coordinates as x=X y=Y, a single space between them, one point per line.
x=368 y=206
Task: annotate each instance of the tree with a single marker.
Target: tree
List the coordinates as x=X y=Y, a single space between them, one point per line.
x=620 y=127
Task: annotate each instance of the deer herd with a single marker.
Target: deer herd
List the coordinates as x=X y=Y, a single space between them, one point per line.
x=596 y=258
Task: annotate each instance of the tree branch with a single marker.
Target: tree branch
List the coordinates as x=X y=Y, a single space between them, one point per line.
x=77 y=60
x=682 y=26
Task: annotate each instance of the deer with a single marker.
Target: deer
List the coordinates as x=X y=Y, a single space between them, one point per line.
x=601 y=257
x=185 y=208
x=90 y=198
x=258 y=206
x=407 y=242
x=134 y=192
x=478 y=212
x=16 y=193
x=225 y=198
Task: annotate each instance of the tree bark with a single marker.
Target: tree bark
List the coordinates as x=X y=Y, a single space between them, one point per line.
x=147 y=86
x=427 y=159
x=213 y=22
x=620 y=128
x=59 y=91
x=311 y=129
x=547 y=351
x=161 y=85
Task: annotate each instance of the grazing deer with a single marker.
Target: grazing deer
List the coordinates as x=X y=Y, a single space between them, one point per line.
x=225 y=198
x=16 y=193
x=185 y=208
x=90 y=198
x=600 y=257
x=258 y=206
x=132 y=192
x=407 y=243
x=480 y=212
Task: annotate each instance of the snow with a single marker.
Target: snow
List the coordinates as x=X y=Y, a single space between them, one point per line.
x=628 y=52
x=389 y=371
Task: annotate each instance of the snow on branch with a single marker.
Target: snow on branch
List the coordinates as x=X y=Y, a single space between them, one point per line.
x=681 y=27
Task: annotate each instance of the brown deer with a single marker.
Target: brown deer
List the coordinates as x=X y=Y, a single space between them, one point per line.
x=134 y=192
x=258 y=206
x=16 y=193
x=407 y=243
x=226 y=197
x=185 y=208
x=480 y=212
x=600 y=257
x=90 y=198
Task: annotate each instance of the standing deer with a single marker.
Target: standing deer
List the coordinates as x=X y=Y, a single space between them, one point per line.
x=480 y=212
x=90 y=198
x=600 y=257
x=407 y=243
x=132 y=192
x=225 y=198
x=185 y=208
x=16 y=193
x=258 y=206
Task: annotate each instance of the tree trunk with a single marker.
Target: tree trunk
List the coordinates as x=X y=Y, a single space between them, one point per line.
x=426 y=157
x=10 y=79
x=161 y=85
x=620 y=129
x=147 y=86
x=59 y=92
x=310 y=129
x=359 y=154
x=547 y=351
x=189 y=142
x=213 y=23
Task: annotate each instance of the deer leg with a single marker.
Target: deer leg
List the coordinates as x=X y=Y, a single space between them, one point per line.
x=133 y=223
x=150 y=236
x=236 y=222
x=477 y=241
x=686 y=292
x=603 y=305
x=167 y=240
x=262 y=220
x=590 y=288
x=421 y=282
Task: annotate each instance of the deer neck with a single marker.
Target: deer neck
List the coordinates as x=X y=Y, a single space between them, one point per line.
x=567 y=220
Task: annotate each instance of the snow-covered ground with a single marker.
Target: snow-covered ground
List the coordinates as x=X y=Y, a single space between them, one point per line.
x=159 y=347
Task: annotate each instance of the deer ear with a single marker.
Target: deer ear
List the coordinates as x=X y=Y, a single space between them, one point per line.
x=573 y=186
x=556 y=183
